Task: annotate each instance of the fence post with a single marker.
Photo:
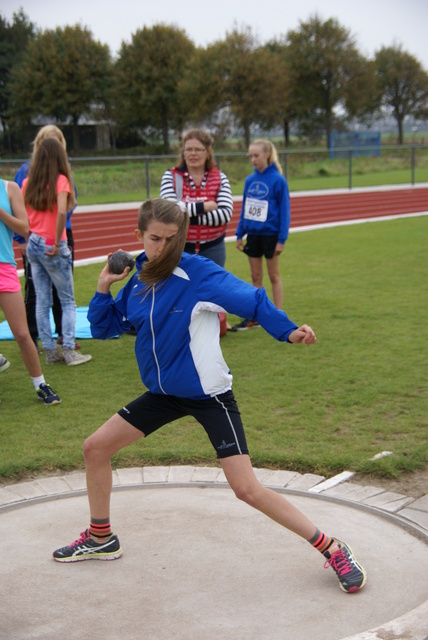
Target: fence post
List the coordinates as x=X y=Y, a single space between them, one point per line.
x=413 y=165
x=147 y=178
x=217 y=160
x=285 y=165
x=350 y=170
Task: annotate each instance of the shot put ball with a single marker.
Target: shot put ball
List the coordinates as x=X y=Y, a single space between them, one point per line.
x=119 y=260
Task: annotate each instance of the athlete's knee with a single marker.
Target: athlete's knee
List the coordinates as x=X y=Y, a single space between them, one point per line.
x=92 y=450
x=249 y=492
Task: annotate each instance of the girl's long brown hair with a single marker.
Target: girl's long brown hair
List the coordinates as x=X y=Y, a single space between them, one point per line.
x=49 y=161
x=160 y=268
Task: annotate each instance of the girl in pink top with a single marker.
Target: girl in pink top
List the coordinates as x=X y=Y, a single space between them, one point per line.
x=48 y=197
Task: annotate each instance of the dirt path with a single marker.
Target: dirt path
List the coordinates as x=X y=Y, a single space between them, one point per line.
x=413 y=484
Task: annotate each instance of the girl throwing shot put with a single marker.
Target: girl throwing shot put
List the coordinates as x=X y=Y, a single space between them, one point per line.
x=173 y=302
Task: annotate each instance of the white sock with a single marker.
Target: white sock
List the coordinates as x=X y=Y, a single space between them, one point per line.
x=38 y=381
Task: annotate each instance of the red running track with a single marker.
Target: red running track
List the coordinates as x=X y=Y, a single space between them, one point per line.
x=97 y=233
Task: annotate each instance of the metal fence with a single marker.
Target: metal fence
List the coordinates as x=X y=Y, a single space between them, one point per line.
x=305 y=169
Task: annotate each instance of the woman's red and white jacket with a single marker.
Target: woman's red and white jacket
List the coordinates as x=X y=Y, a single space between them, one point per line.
x=205 y=226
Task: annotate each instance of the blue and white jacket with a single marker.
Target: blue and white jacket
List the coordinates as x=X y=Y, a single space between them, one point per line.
x=265 y=205
x=177 y=344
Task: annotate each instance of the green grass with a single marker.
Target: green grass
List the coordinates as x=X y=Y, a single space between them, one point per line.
x=360 y=390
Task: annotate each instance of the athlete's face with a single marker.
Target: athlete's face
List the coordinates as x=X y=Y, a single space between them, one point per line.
x=258 y=157
x=156 y=237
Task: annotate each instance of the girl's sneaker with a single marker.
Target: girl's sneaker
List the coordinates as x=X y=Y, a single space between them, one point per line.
x=85 y=548
x=244 y=325
x=72 y=358
x=4 y=363
x=54 y=355
x=47 y=394
x=351 y=574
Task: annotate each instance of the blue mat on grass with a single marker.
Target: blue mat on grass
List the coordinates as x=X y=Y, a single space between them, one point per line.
x=82 y=326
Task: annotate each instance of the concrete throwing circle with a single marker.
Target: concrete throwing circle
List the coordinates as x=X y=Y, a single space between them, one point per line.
x=198 y=564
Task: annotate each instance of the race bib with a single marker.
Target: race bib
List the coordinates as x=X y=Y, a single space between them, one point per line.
x=256 y=210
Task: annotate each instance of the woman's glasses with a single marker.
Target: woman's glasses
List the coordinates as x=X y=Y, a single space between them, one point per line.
x=197 y=150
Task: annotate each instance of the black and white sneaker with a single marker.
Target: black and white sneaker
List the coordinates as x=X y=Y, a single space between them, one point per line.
x=85 y=548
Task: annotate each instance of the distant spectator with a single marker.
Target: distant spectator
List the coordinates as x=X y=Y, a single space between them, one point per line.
x=13 y=218
x=48 y=131
x=206 y=192
x=265 y=220
x=48 y=196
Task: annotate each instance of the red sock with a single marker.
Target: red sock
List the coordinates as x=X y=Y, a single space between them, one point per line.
x=100 y=528
x=321 y=542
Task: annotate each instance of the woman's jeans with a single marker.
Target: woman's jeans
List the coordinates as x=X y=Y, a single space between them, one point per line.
x=216 y=252
x=57 y=270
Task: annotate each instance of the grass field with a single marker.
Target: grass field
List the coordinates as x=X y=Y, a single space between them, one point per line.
x=360 y=390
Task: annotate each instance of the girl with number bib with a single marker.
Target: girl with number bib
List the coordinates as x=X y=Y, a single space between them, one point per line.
x=265 y=220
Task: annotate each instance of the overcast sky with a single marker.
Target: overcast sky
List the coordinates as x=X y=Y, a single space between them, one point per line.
x=374 y=23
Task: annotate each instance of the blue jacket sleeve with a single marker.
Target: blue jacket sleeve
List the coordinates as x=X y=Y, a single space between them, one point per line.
x=22 y=173
x=242 y=299
x=68 y=224
x=106 y=316
x=19 y=178
x=284 y=212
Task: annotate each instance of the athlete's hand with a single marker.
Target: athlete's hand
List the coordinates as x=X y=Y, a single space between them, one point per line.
x=302 y=335
x=240 y=244
x=107 y=278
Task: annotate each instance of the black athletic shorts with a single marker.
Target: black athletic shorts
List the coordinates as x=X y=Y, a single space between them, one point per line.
x=258 y=246
x=219 y=416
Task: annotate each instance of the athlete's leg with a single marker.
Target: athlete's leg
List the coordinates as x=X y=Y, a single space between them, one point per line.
x=242 y=479
x=115 y=434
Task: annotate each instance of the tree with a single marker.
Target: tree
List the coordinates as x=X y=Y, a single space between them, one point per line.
x=201 y=87
x=248 y=77
x=14 y=38
x=403 y=84
x=283 y=104
x=147 y=77
x=64 y=74
x=327 y=67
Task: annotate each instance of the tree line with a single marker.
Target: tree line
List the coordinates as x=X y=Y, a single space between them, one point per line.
x=313 y=78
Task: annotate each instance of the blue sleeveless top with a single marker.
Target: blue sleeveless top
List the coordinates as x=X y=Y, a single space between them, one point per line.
x=6 y=248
